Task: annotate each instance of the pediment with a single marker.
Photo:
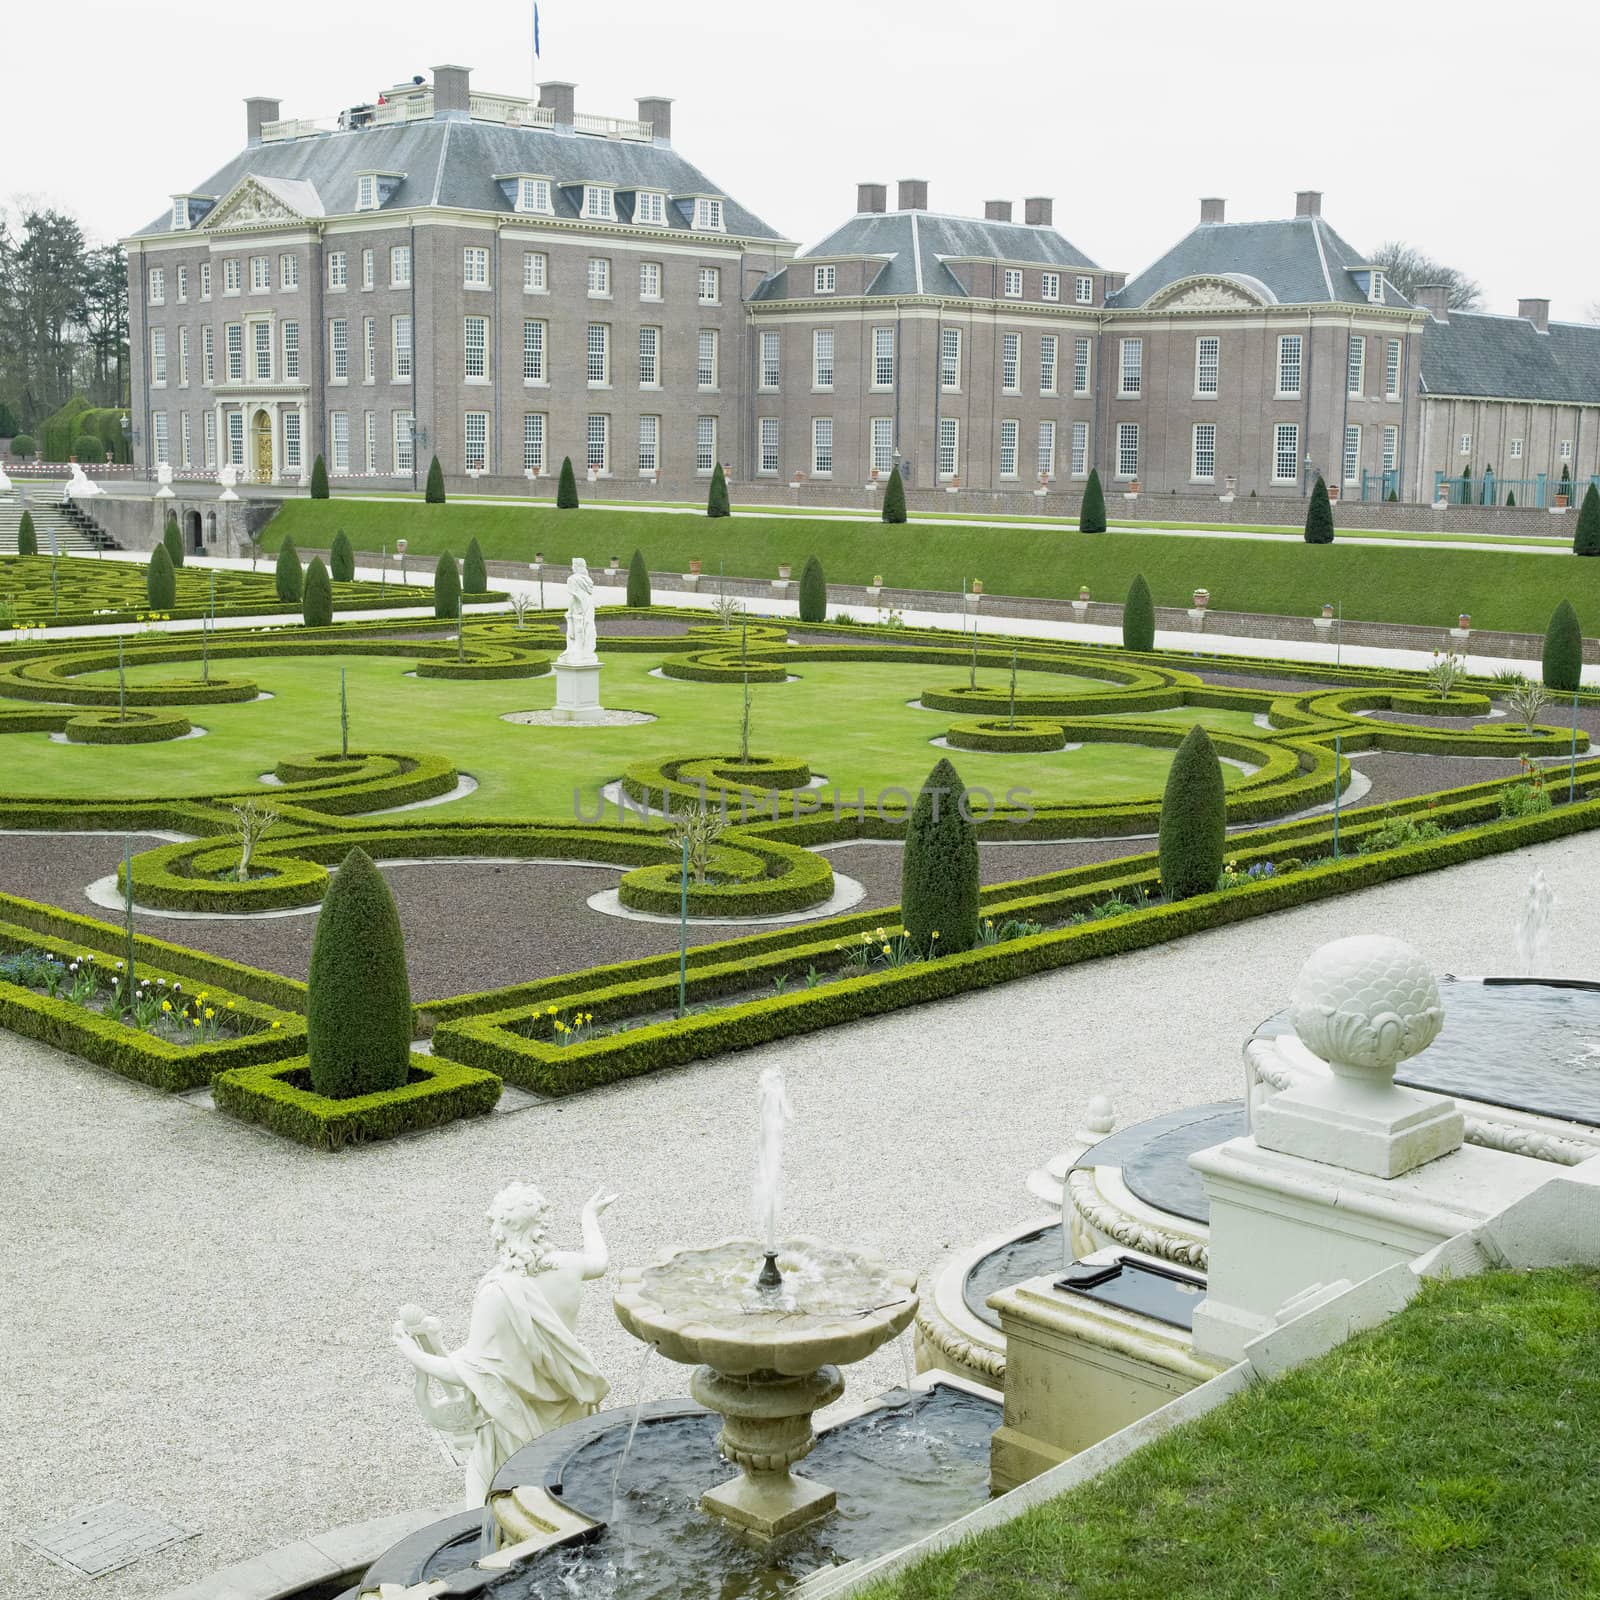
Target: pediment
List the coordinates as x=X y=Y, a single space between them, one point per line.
x=1209 y=293
x=263 y=203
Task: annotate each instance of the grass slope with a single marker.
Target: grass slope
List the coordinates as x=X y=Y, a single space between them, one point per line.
x=1507 y=589
x=1449 y=1452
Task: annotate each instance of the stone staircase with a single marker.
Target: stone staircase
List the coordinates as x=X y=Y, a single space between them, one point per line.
x=72 y=529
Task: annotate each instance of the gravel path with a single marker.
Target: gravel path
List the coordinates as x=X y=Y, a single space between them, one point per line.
x=196 y=1314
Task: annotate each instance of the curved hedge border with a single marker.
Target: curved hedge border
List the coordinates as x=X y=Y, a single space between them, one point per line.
x=1025 y=734
x=139 y=727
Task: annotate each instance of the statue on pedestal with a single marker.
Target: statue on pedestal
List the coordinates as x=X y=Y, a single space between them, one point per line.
x=522 y=1370
x=580 y=617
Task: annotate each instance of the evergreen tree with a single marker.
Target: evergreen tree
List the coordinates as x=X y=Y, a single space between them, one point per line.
x=446 y=587
x=474 y=574
x=319 y=479
x=939 y=869
x=160 y=581
x=717 y=500
x=1092 y=514
x=24 y=446
x=358 y=998
x=27 y=539
x=1466 y=487
x=1193 y=819
x=433 y=494
x=287 y=575
x=1563 y=650
x=813 y=592
x=567 y=489
x=173 y=540
x=638 y=580
x=1511 y=497
x=316 y=603
x=894 y=498
x=1394 y=497
x=342 y=559
x=1138 y=617
x=1319 y=515
x=1586 y=541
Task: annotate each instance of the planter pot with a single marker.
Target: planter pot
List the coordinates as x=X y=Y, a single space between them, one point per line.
x=1083 y=593
x=1202 y=598
x=977 y=585
x=694 y=566
x=1464 y=621
x=1561 y=502
x=783 y=572
x=1133 y=488
x=1333 y=495
x=1327 y=613
x=877 y=580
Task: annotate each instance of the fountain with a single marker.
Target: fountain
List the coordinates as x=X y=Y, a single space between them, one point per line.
x=1532 y=935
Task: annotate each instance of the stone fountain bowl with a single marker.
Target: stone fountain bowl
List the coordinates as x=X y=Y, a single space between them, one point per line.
x=703 y=1306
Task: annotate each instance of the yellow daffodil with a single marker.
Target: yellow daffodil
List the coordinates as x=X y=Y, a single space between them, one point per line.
x=277 y=1024
x=166 y=1005
x=886 y=949
x=230 y=1005
x=934 y=934
x=210 y=1013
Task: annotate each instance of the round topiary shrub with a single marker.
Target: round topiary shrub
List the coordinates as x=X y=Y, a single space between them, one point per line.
x=813 y=592
x=939 y=871
x=567 y=488
x=316 y=604
x=638 y=580
x=446 y=587
x=160 y=581
x=89 y=448
x=474 y=574
x=894 y=498
x=1194 y=812
x=1319 y=515
x=1138 y=617
x=1563 y=650
x=358 y=1000
x=341 y=559
x=433 y=494
x=287 y=576
x=172 y=538
x=1092 y=513
x=27 y=539
x=24 y=446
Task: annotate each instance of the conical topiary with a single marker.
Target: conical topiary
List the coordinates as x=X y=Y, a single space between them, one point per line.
x=1511 y=496
x=717 y=500
x=1194 y=812
x=813 y=592
x=894 y=498
x=160 y=581
x=1563 y=650
x=638 y=580
x=1586 y=539
x=358 y=998
x=446 y=587
x=287 y=575
x=316 y=603
x=1394 y=498
x=1466 y=486
x=341 y=559
x=1092 y=513
x=173 y=540
x=1319 y=515
x=474 y=574
x=567 y=488
x=1138 y=617
x=27 y=539
x=319 y=479
x=939 y=870
x=433 y=493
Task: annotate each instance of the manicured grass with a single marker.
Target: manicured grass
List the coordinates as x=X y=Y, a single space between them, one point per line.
x=1503 y=589
x=1449 y=1452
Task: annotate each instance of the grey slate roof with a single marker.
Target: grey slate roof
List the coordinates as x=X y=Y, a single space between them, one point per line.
x=1475 y=353
x=454 y=164
x=1301 y=260
x=921 y=238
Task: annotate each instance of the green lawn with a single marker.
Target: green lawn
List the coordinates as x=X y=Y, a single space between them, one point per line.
x=1502 y=589
x=849 y=720
x=1450 y=1452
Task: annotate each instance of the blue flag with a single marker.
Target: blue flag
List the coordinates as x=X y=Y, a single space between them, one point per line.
x=536 y=31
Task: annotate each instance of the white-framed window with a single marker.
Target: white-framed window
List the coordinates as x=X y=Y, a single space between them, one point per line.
x=1391 y=446
x=158 y=286
x=597 y=440
x=261 y=351
x=475 y=350
x=1010 y=431
x=1130 y=377
x=369 y=269
x=1356 y=365
x=599 y=203
x=475 y=267
x=208 y=436
x=158 y=425
x=533 y=194
x=1049 y=285
x=1391 y=370
x=292 y=460
x=534 y=336
x=1515 y=447
x=260 y=274
x=230 y=275
x=1011 y=283
x=1565 y=451
x=233 y=346
x=400 y=341
x=205 y=280
x=649 y=358
x=1289 y=354
x=708 y=215
x=338 y=350
x=339 y=443
x=1207 y=366
x=1286 y=453
x=705 y=364
x=338 y=271
x=1080 y=365
x=649 y=280
x=405 y=443
x=288 y=271
x=291 y=352
x=533 y=441
x=597 y=352
x=400 y=269
x=535 y=272
x=705 y=444
x=1047 y=449
x=1375 y=289
x=475 y=441
x=1049 y=345
x=183 y=358
x=950 y=359
x=369 y=349
x=947 y=452
x=649 y=444
x=821 y=446
x=366 y=192
x=822 y=358
x=598 y=277
x=767 y=445
x=1083 y=290
x=208 y=354
x=183 y=284
x=180 y=213
x=883 y=358
x=1010 y=362
x=650 y=211
x=1127 y=449
x=770 y=371
x=236 y=438
x=825 y=280
x=1464 y=448
x=369 y=433
x=1352 y=453
x=883 y=445
x=1080 y=449
x=1203 y=453
x=710 y=283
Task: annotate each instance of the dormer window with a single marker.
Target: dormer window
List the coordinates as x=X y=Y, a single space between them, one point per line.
x=650 y=208
x=826 y=280
x=367 y=192
x=708 y=215
x=180 y=213
x=599 y=203
x=533 y=194
x=1375 y=289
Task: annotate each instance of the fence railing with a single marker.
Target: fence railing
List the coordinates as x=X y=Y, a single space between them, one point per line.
x=1540 y=491
x=1379 y=485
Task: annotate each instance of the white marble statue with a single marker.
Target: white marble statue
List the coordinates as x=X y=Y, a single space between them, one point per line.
x=79 y=486
x=522 y=1370
x=228 y=476
x=580 y=616
x=5 y=481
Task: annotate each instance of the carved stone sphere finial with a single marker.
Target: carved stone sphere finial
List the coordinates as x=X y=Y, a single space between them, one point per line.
x=1365 y=1004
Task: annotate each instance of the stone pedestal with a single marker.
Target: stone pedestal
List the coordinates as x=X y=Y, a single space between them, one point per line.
x=1382 y=1131
x=578 y=691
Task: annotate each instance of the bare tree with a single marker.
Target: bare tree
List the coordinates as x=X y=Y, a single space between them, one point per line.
x=1408 y=269
x=250 y=823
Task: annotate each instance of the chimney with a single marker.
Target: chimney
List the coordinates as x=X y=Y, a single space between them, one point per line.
x=1535 y=311
x=1308 y=203
x=913 y=194
x=1037 y=210
x=1113 y=281
x=656 y=109
x=559 y=98
x=996 y=210
x=452 y=98
x=258 y=109
x=1213 y=209
x=1434 y=298
x=872 y=197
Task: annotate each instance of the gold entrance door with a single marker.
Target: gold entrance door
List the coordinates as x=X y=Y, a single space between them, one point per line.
x=263 y=432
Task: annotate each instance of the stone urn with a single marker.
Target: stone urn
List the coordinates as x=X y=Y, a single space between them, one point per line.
x=1083 y=593
x=1202 y=598
x=694 y=565
x=784 y=570
x=1327 y=613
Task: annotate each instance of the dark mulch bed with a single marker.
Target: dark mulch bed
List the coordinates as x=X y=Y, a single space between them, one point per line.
x=645 y=627
x=1247 y=680
x=1397 y=776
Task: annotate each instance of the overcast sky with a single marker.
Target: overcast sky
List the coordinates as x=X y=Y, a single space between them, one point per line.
x=1464 y=129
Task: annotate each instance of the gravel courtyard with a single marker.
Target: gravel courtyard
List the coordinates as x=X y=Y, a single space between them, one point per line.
x=196 y=1314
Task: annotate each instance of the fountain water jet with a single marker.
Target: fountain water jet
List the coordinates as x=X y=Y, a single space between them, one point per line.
x=1532 y=934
